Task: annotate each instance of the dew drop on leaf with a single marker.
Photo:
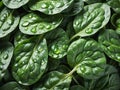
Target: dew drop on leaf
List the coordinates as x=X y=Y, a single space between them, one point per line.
x=88 y=31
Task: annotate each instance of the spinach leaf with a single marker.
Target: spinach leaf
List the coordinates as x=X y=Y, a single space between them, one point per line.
x=110 y=42
x=55 y=81
x=6 y=53
x=58 y=43
x=34 y=24
x=91 y=20
x=115 y=5
x=30 y=59
x=14 y=4
x=9 y=20
x=86 y=57
x=50 y=7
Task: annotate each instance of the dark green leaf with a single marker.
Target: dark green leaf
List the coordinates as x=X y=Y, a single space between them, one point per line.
x=86 y=57
x=50 y=7
x=30 y=59
x=34 y=24
x=6 y=53
x=110 y=42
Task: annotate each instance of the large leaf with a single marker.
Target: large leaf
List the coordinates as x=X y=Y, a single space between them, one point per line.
x=57 y=43
x=55 y=81
x=30 y=59
x=6 y=53
x=86 y=57
x=34 y=24
x=14 y=4
x=77 y=87
x=9 y=20
x=110 y=42
x=91 y=20
x=50 y=7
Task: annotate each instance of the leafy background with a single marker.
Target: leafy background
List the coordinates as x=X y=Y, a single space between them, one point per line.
x=59 y=44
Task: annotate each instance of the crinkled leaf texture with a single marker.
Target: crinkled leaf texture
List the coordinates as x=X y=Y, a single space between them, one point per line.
x=6 y=53
x=86 y=57
x=110 y=43
x=55 y=81
x=9 y=20
x=91 y=20
x=30 y=59
x=50 y=7
x=57 y=43
x=36 y=23
x=14 y=4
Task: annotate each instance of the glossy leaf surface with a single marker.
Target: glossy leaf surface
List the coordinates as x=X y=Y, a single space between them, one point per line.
x=34 y=24
x=110 y=42
x=50 y=7
x=6 y=53
x=59 y=41
x=30 y=59
x=14 y=4
x=86 y=57
x=91 y=20
x=8 y=21
x=55 y=81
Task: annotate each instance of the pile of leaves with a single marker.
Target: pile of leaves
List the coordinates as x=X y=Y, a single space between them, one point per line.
x=59 y=44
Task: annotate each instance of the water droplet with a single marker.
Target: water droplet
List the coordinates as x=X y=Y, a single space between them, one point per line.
x=51 y=7
x=19 y=0
x=4 y=15
x=41 y=26
x=5 y=56
x=34 y=18
x=9 y=22
x=25 y=24
x=53 y=23
x=48 y=26
x=33 y=30
x=44 y=5
x=26 y=28
x=30 y=16
x=2 y=18
x=88 y=31
x=59 y=4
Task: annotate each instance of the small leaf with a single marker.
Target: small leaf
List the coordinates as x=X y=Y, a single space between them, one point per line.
x=57 y=43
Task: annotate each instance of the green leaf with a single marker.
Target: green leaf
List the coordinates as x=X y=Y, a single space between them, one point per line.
x=110 y=80
x=92 y=1
x=34 y=24
x=14 y=4
x=11 y=86
x=9 y=20
x=57 y=43
x=30 y=59
x=55 y=81
x=86 y=57
x=50 y=7
x=6 y=53
x=110 y=42
x=115 y=5
x=75 y=8
x=91 y=20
